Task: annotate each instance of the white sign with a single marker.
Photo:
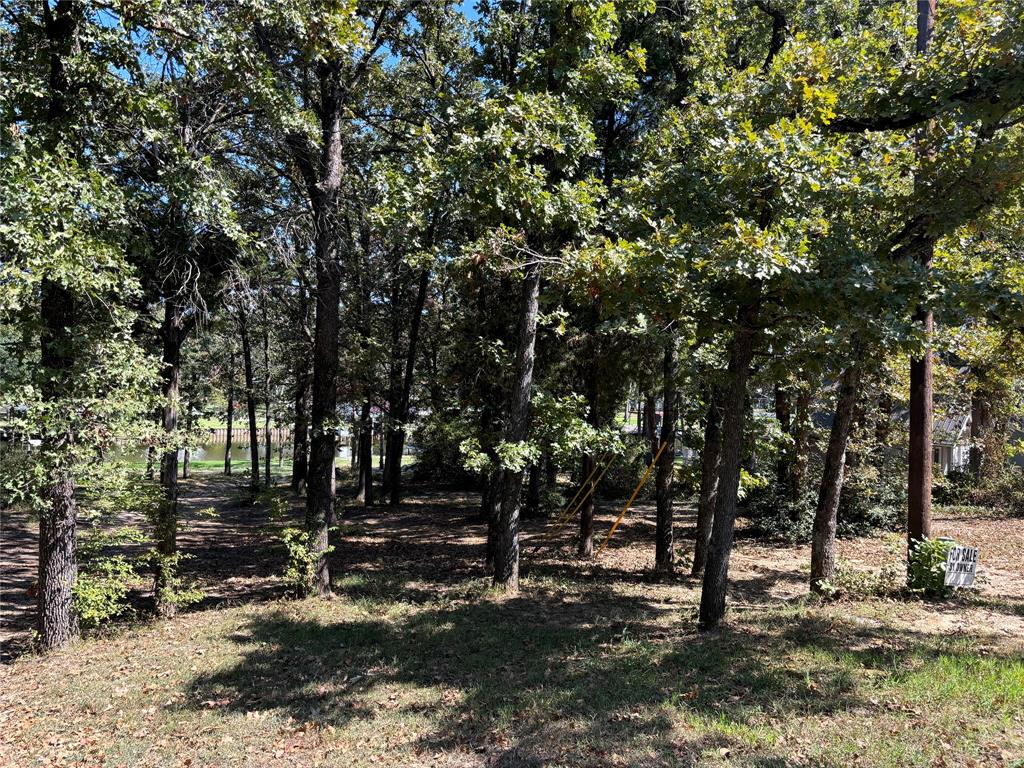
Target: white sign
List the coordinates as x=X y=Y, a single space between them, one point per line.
x=961 y=566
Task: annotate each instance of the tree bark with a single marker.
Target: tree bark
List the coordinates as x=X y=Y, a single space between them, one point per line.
x=490 y=508
x=709 y=469
x=230 y=415
x=801 y=444
x=716 y=569
x=919 y=478
x=585 y=548
x=322 y=173
x=823 y=543
x=664 y=552
x=506 y=559
x=982 y=424
x=300 y=447
x=650 y=427
x=919 y=475
x=250 y=402
x=166 y=527
x=364 y=490
x=396 y=435
x=186 y=464
x=56 y=618
x=267 y=438
x=784 y=415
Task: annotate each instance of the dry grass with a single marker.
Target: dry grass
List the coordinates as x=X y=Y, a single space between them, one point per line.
x=417 y=663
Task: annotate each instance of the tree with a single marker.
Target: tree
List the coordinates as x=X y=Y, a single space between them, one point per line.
x=66 y=280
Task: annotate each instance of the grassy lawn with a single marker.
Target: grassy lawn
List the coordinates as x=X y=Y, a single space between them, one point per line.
x=391 y=674
x=415 y=663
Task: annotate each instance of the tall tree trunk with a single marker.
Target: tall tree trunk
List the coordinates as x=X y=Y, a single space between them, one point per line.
x=396 y=437
x=883 y=423
x=919 y=475
x=322 y=173
x=380 y=445
x=664 y=552
x=533 y=483
x=801 y=443
x=56 y=619
x=364 y=490
x=709 y=469
x=919 y=479
x=981 y=430
x=390 y=416
x=186 y=464
x=267 y=440
x=250 y=402
x=650 y=427
x=300 y=448
x=589 y=464
x=585 y=547
x=490 y=509
x=716 y=569
x=230 y=415
x=823 y=542
x=166 y=528
x=784 y=415
x=506 y=558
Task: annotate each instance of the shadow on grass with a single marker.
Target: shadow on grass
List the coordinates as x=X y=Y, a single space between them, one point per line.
x=541 y=678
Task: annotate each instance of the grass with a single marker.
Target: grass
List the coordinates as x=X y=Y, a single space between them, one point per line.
x=418 y=662
x=393 y=673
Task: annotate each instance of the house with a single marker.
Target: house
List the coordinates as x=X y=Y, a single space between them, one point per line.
x=951 y=437
x=951 y=442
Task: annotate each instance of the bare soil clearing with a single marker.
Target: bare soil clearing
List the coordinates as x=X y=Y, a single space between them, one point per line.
x=417 y=663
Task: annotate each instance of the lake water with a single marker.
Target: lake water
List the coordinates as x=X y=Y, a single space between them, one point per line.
x=239 y=452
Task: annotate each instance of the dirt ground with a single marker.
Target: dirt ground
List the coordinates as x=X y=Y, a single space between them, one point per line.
x=416 y=662
x=437 y=535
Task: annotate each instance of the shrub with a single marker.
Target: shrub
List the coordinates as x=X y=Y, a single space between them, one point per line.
x=1002 y=490
x=101 y=590
x=954 y=489
x=104 y=579
x=926 y=572
x=625 y=472
x=857 y=584
x=302 y=559
x=174 y=590
x=440 y=459
x=773 y=514
x=874 y=498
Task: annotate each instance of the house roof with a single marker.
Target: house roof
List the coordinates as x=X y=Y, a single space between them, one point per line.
x=949 y=429
x=946 y=430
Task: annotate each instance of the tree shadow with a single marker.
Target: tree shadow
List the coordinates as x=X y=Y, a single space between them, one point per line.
x=534 y=675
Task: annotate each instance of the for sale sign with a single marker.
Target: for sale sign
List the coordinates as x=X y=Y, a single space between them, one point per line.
x=961 y=566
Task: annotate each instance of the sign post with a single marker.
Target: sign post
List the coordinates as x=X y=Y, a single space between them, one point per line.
x=961 y=566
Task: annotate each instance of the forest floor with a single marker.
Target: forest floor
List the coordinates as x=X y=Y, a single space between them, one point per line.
x=416 y=662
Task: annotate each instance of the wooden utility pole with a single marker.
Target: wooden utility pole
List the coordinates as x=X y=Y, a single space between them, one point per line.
x=919 y=481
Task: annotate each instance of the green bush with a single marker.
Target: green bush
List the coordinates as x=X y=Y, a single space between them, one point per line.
x=440 y=459
x=774 y=515
x=1002 y=490
x=926 y=572
x=954 y=489
x=625 y=472
x=101 y=590
x=302 y=559
x=105 y=576
x=874 y=498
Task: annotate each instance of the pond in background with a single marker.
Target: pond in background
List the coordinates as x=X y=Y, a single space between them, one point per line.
x=214 y=451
